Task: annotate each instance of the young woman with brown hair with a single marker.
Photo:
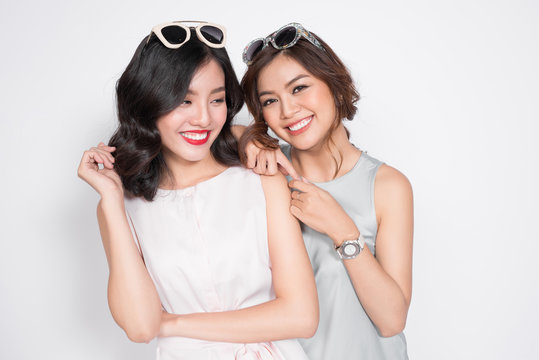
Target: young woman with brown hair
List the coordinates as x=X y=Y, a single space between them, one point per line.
x=357 y=212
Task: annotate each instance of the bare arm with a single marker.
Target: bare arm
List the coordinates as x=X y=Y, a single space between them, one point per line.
x=294 y=311
x=382 y=283
x=132 y=296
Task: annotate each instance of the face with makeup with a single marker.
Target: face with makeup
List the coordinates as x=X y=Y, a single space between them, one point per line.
x=297 y=106
x=188 y=131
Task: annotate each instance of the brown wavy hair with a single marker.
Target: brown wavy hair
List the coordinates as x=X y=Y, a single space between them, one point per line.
x=324 y=64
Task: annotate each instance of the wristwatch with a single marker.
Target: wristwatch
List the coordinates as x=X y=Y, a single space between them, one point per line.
x=350 y=248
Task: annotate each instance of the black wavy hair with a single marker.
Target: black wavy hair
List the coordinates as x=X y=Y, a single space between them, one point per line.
x=153 y=84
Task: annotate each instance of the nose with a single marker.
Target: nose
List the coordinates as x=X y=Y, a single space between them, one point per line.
x=201 y=116
x=289 y=107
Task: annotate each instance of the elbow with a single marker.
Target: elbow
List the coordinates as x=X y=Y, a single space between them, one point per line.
x=142 y=335
x=310 y=327
x=306 y=321
x=395 y=327
x=141 y=330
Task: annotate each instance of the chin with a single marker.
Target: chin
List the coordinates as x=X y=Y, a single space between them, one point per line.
x=196 y=157
x=303 y=144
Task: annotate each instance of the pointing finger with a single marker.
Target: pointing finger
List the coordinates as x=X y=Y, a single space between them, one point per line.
x=286 y=165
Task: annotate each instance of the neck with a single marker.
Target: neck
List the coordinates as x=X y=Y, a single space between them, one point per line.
x=320 y=163
x=184 y=173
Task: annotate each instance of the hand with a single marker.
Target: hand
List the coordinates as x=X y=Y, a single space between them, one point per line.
x=316 y=208
x=267 y=162
x=105 y=180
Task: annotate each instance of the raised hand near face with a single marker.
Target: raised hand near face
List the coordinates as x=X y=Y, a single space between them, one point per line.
x=105 y=180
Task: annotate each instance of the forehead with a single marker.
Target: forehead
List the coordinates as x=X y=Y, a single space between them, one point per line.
x=279 y=72
x=208 y=75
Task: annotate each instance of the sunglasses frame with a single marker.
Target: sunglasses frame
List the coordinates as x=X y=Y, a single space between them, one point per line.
x=158 y=28
x=270 y=39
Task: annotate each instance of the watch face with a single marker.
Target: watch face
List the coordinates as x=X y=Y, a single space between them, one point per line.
x=351 y=249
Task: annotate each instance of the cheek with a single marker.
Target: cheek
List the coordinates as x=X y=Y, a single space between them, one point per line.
x=270 y=115
x=219 y=115
x=162 y=128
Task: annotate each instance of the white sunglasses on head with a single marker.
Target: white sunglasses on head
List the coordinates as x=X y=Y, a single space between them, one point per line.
x=174 y=34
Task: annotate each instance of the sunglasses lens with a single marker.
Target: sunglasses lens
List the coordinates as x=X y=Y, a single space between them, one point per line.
x=174 y=34
x=212 y=34
x=285 y=36
x=254 y=49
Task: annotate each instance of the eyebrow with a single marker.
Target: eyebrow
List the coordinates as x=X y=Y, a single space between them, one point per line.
x=301 y=76
x=214 y=91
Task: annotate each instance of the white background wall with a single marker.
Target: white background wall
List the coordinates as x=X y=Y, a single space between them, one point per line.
x=449 y=96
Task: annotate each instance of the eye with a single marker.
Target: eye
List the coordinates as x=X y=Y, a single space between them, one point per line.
x=268 y=102
x=299 y=88
x=218 y=101
x=186 y=102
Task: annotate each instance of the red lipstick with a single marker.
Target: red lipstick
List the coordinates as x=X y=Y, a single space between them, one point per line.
x=196 y=137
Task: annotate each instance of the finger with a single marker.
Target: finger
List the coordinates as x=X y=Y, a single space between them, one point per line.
x=105 y=153
x=107 y=164
x=271 y=163
x=286 y=165
x=101 y=157
x=101 y=145
x=296 y=195
x=251 y=151
x=261 y=163
x=97 y=158
x=296 y=211
x=302 y=186
x=86 y=162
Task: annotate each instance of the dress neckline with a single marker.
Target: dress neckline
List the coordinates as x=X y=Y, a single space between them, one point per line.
x=288 y=149
x=190 y=189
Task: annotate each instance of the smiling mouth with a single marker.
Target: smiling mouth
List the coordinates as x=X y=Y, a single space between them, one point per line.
x=196 y=137
x=300 y=126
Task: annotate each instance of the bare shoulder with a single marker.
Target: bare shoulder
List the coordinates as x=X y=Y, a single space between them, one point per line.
x=391 y=187
x=388 y=177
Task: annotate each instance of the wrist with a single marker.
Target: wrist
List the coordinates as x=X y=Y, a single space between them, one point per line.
x=169 y=324
x=111 y=202
x=350 y=249
x=343 y=235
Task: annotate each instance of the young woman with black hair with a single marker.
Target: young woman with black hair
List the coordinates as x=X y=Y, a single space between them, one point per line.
x=199 y=254
x=357 y=211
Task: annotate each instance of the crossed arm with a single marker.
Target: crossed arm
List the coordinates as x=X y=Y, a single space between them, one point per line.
x=133 y=298
x=294 y=311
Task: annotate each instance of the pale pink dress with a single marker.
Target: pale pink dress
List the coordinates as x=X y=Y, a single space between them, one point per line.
x=206 y=250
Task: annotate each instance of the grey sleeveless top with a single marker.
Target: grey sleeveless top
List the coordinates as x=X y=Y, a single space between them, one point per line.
x=345 y=330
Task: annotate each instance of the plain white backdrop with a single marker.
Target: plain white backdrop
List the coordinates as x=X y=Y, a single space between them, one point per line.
x=450 y=95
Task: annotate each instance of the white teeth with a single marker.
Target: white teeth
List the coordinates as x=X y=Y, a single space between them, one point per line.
x=300 y=124
x=195 y=136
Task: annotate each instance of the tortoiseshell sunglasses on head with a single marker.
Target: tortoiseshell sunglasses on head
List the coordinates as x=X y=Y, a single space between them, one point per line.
x=283 y=38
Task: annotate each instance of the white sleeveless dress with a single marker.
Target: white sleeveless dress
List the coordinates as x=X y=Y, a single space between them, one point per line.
x=206 y=250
